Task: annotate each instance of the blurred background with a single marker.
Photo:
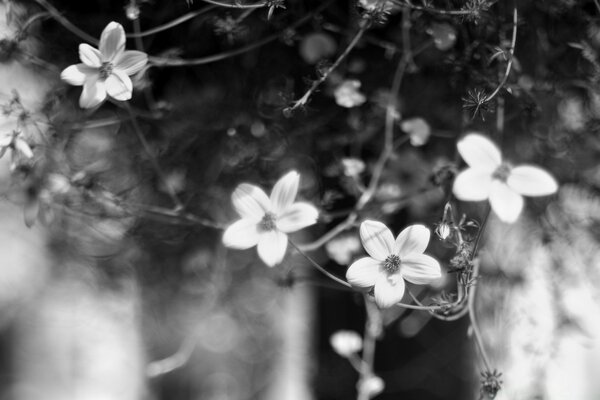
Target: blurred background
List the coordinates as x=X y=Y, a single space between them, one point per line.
x=108 y=296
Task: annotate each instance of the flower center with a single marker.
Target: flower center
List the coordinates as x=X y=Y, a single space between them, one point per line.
x=391 y=265
x=502 y=172
x=106 y=69
x=267 y=223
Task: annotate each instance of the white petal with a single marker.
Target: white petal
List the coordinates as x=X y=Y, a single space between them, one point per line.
x=93 y=93
x=90 y=56
x=479 y=152
x=472 y=184
x=271 y=247
x=363 y=272
x=420 y=269
x=77 y=74
x=242 y=234
x=413 y=239
x=284 y=192
x=112 y=41
x=250 y=201
x=118 y=86
x=297 y=216
x=531 y=181
x=506 y=203
x=23 y=148
x=388 y=290
x=377 y=239
x=131 y=61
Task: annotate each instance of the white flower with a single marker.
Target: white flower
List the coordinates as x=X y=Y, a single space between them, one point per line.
x=11 y=137
x=346 y=343
x=418 y=130
x=353 y=166
x=105 y=71
x=266 y=221
x=489 y=177
x=391 y=261
x=371 y=385
x=347 y=94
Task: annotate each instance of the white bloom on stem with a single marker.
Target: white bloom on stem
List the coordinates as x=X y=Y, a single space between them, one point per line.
x=371 y=385
x=346 y=343
x=347 y=94
x=392 y=261
x=266 y=221
x=105 y=71
x=489 y=177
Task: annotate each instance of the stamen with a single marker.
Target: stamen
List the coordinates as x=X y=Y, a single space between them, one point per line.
x=502 y=172
x=267 y=223
x=392 y=264
x=105 y=70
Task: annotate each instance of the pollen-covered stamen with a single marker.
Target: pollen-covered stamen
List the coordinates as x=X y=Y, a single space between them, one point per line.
x=106 y=69
x=268 y=222
x=502 y=172
x=391 y=265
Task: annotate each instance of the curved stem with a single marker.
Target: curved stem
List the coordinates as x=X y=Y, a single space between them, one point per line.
x=233 y=5
x=304 y=99
x=510 y=59
x=171 y=24
x=66 y=23
x=368 y=355
x=432 y=10
x=321 y=269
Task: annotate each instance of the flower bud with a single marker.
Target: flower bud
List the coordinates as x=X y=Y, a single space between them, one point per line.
x=346 y=343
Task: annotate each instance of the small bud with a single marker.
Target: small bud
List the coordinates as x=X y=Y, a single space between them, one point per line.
x=372 y=386
x=443 y=230
x=346 y=343
x=353 y=166
x=417 y=129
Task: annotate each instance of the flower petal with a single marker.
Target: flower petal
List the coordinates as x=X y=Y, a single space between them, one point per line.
x=506 y=203
x=472 y=185
x=250 y=201
x=363 y=272
x=413 y=239
x=93 y=93
x=479 y=152
x=284 y=192
x=242 y=234
x=90 y=56
x=531 y=181
x=272 y=246
x=23 y=148
x=389 y=290
x=131 y=61
x=377 y=239
x=420 y=269
x=119 y=86
x=297 y=216
x=112 y=41
x=77 y=74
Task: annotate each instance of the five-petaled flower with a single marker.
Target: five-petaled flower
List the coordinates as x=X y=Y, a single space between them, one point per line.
x=489 y=177
x=105 y=71
x=266 y=221
x=392 y=261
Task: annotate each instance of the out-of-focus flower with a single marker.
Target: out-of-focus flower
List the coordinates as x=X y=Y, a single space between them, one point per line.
x=266 y=221
x=317 y=46
x=347 y=94
x=391 y=261
x=353 y=166
x=489 y=177
x=346 y=343
x=418 y=130
x=342 y=248
x=105 y=71
x=371 y=385
x=443 y=35
x=11 y=137
x=384 y=6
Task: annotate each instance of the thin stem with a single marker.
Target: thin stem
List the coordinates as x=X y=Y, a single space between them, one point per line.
x=368 y=355
x=597 y=2
x=171 y=24
x=157 y=169
x=66 y=23
x=317 y=266
x=477 y=335
x=304 y=99
x=233 y=5
x=175 y=62
x=510 y=59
